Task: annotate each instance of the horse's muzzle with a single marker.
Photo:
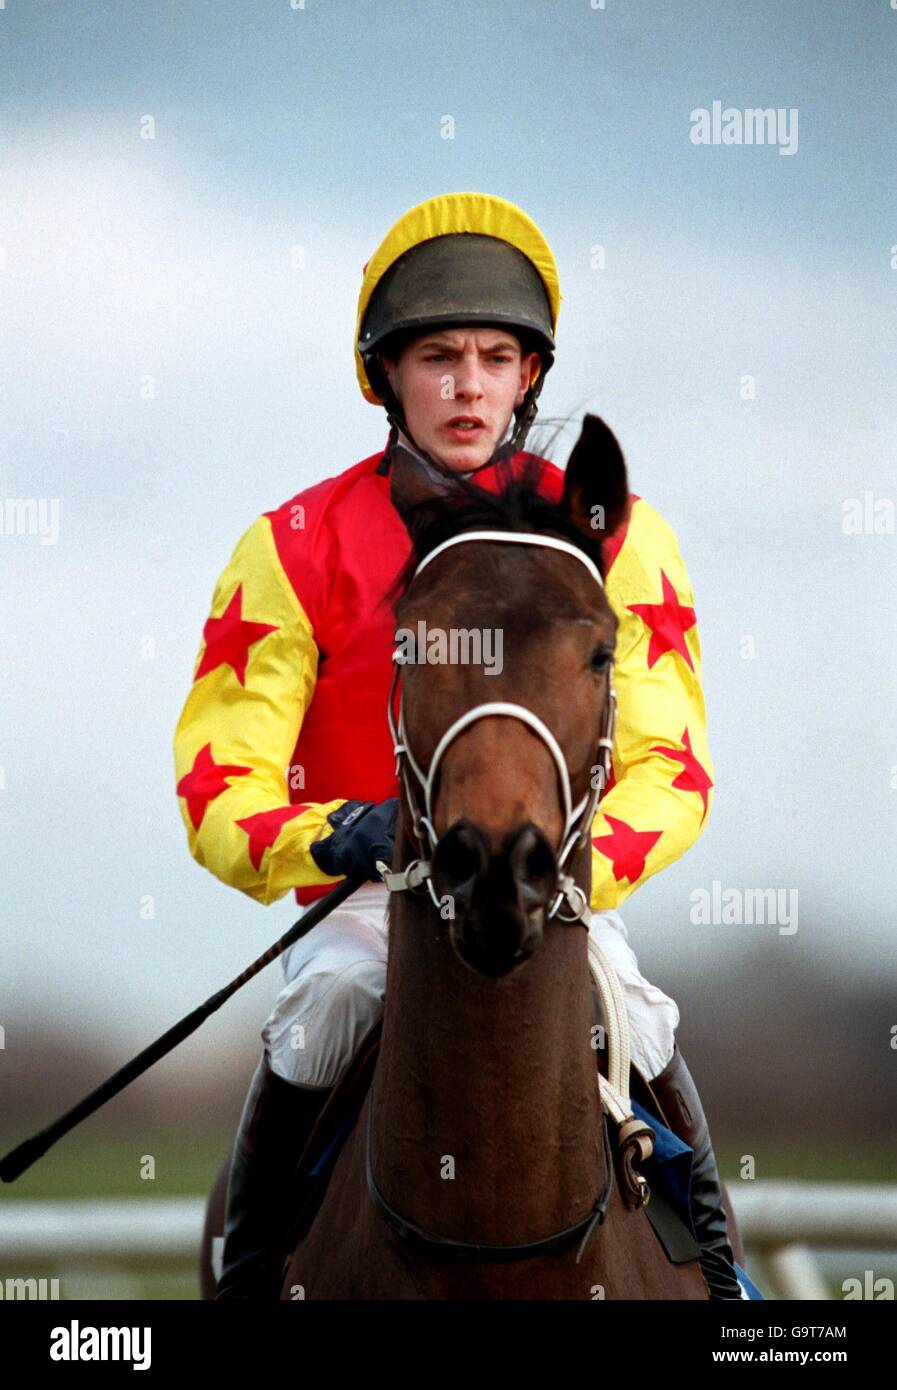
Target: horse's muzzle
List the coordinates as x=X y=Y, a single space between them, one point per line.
x=497 y=901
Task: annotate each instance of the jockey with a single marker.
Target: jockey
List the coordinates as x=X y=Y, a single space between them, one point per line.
x=285 y=766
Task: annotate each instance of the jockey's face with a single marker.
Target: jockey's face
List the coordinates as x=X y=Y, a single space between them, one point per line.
x=448 y=373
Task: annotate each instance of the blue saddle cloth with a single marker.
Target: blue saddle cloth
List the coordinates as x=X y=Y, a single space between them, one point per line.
x=669 y=1168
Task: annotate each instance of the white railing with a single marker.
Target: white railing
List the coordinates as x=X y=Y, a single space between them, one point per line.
x=782 y=1223
x=786 y=1227
x=129 y=1228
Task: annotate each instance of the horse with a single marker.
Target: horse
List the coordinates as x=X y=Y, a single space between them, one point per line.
x=480 y=1165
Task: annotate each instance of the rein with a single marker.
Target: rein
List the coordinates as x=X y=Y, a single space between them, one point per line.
x=577 y=824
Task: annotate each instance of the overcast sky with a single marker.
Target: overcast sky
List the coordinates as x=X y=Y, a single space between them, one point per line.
x=168 y=371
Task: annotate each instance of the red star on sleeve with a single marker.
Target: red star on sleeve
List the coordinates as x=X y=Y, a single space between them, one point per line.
x=693 y=777
x=669 y=621
x=229 y=638
x=206 y=780
x=264 y=828
x=626 y=848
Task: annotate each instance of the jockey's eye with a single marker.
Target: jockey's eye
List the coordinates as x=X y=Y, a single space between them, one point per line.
x=601 y=658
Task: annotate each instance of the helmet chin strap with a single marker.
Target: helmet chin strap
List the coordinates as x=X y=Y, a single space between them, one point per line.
x=525 y=414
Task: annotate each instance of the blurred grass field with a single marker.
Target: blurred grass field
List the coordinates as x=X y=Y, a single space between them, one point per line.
x=107 y=1163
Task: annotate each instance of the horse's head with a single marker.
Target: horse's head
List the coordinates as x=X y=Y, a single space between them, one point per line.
x=489 y=621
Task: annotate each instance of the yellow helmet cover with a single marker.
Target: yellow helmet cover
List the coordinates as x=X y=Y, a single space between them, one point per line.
x=443 y=216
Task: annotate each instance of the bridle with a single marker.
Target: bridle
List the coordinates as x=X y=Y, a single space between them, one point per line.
x=577 y=824
x=577 y=819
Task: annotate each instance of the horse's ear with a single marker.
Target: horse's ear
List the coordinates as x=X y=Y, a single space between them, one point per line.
x=596 y=486
x=416 y=489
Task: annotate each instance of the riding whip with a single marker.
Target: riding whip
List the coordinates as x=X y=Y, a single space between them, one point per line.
x=30 y=1150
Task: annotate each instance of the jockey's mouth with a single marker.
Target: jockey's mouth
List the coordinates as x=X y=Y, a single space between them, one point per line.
x=464 y=427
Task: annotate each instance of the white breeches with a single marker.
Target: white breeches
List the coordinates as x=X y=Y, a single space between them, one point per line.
x=335 y=987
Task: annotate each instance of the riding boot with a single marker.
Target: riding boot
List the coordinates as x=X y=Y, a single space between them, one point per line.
x=681 y=1104
x=277 y=1120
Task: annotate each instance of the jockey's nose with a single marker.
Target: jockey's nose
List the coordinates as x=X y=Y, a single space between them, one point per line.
x=468 y=382
x=497 y=901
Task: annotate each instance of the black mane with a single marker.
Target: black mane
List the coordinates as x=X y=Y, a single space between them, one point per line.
x=517 y=506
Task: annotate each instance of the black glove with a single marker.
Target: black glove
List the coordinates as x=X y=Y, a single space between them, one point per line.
x=364 y=832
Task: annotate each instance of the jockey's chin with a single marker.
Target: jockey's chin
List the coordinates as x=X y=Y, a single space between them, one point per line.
x=463 y=456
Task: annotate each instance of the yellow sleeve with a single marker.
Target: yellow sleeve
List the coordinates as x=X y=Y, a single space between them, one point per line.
x=659 y=802
x=253 y=680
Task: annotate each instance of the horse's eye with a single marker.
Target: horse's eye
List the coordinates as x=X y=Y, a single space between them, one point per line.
x=601 y=659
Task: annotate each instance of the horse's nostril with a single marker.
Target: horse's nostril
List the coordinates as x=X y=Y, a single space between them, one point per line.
x=540 y=861
x=521 y=878
x=461 y=855
x=533 y=864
